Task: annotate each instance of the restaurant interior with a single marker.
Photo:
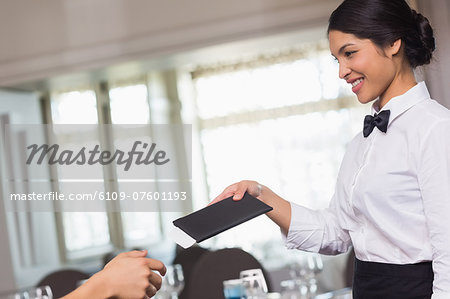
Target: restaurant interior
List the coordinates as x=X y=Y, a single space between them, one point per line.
x=238 y=90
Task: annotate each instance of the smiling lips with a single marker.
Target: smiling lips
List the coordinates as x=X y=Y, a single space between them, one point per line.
x=356 y=84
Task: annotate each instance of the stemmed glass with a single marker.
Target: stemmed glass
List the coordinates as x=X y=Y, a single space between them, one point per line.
x=289 y=290
x=43 y=292
x=304 y=270
x=254 y=284
x=173 y=283
x=316 y=265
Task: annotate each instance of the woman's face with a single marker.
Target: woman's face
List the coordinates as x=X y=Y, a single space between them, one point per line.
x=362 y=64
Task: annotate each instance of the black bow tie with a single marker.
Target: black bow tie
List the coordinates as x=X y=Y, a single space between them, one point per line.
x=379 y=120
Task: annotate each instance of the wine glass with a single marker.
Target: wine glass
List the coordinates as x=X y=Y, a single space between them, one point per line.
x=289 y=290
x=173 y=282
x=255 y=285
x=316 y=266
x=304 y=270
x=42 y=292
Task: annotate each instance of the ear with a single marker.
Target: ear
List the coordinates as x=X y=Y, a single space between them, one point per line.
x=394 y=48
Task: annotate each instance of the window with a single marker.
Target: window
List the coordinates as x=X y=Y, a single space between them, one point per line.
x=280 y=121
x=82 y=231
x=95 y=233
x=130 y=105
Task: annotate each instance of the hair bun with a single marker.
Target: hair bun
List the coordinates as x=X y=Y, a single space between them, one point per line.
x=424 y=41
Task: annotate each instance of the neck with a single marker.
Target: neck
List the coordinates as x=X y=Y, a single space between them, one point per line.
x=402 y=82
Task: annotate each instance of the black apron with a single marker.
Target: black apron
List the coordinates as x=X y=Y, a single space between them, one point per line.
x=390 y=281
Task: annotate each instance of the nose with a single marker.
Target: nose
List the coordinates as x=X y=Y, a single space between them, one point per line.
x=344 y=70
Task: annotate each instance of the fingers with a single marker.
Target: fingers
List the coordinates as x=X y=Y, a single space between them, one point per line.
x=155 y=280
x=222 y=196
x=246 y=186
x=151 y=263
x=135 y=253
x=151 y=291
x=241 y=188
x=157 y=266
x=238 y=190
x=239 y=194
x=229 y=191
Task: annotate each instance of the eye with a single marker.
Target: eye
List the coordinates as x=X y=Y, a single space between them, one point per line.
x=349 y=53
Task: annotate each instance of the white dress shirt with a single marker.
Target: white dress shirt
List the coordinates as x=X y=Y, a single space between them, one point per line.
x=392 y=197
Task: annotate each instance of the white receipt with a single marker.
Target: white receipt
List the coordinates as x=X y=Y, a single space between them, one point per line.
x=181 y=238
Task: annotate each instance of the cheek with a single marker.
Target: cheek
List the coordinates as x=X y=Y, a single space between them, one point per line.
x=383 y=72
x=368 y=66
x=373 y=66
x=378 y=70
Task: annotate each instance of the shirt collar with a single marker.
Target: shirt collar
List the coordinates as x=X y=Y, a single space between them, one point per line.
x=399 y=104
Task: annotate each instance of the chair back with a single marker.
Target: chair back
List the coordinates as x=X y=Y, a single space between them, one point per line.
x=213 y=268
x=187 y=258
x=63 y=282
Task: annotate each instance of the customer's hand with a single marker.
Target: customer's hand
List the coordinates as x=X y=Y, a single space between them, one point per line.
x=128 y=276
x=237 y=190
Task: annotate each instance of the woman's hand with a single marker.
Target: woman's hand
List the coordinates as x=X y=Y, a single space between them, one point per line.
x=237 y=190
x=281 y=213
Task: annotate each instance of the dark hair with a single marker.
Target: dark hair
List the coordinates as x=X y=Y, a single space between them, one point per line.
x=385 y=21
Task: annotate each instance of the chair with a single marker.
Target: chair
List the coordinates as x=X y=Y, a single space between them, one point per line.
x=214 y=267
x=107 y=257
x=187 y=258
x=63 y=282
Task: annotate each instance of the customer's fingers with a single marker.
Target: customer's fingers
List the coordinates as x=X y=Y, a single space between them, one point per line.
x=156 y=265
x=151 y=291
x=135 y=253
x=155 y=280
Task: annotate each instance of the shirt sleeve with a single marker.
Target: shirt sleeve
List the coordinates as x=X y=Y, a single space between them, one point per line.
x=317 y=231
x=434 y=182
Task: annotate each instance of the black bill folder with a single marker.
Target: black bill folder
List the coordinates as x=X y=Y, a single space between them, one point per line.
x=214 y=219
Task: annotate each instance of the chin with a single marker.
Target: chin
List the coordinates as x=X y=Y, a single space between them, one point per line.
x=365 y=99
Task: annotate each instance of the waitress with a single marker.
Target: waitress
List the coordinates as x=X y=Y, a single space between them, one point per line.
x=392 y=196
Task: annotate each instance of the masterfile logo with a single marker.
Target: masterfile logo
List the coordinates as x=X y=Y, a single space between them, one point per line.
x=90 y=168
x=146 y=156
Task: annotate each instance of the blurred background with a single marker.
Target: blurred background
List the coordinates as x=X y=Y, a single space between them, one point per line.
x=254 y=78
